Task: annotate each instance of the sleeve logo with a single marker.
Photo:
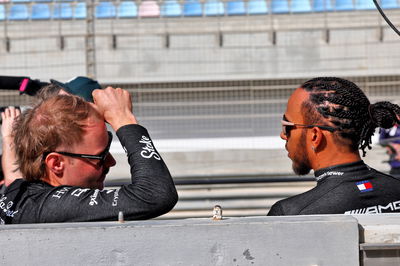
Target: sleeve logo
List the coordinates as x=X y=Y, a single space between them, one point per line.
x=148 y=150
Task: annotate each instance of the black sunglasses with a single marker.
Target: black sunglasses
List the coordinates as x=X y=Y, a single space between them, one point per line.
x=287 y=126
x=101 y=157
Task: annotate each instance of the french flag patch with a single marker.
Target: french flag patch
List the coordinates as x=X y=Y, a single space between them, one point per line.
x=365 y=186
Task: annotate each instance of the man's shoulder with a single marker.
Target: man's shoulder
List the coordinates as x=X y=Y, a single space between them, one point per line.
x=19 y=184
x=21 y=197
x=294 y=204
x=21 y=188
x=313 y=201
x=383 y=177
x=334 y=195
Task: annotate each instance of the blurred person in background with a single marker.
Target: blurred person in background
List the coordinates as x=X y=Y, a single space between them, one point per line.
x=62 y=149
x=327 y=121
x=390 y=138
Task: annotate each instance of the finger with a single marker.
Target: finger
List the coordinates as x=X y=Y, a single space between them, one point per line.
x=3 y=116
x=7 y=111
x=100 y=91
x=95 y=94
x=12 y=111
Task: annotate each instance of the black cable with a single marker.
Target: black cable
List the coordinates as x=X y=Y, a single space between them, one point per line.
x=385 y=18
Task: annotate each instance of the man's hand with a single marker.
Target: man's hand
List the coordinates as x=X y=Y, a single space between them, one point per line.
x=8 y=160
x=115 y=105
x=8 y=117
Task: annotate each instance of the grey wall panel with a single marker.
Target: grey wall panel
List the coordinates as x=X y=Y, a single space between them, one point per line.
x=261 y=39
x=307 y=240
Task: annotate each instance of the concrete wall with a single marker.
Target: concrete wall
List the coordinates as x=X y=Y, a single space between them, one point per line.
x=379 y=239
x=291 y=240
x=307 y=240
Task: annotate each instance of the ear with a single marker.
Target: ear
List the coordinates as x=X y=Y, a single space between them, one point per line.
x=55 y=163
x=316 y=138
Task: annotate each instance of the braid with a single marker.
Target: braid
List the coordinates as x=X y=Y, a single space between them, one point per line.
x=343 y=104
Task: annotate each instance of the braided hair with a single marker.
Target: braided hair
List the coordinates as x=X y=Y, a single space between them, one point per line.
x=343 y=105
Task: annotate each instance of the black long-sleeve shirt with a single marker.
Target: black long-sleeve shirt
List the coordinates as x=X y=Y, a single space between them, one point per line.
x=352 y=188
x=150 y=194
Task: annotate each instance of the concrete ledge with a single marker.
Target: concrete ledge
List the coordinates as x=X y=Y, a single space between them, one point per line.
x=301 y=240
x=379 y=239
x=379 y=229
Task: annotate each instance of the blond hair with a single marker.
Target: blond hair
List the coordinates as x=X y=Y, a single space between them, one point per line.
x=58 y=120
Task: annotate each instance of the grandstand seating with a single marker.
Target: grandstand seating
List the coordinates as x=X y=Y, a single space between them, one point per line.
x=127 y=9
x=344 y=5
x=2 y=12
x=388 y=4
x=364 y=4
x=105 y=10
x=256 y=7
x=62 y=11
x=80 y=10
x=18 y=12
x=322 y=5
x=213 y=8
x=76 y=9
x=299 y=6
x=192 y=8
x=149 y=8
x=40 y=11
x=171 y=8
x=235 y=8
x=279 y=6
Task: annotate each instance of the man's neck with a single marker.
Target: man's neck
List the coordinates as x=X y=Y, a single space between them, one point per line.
x=326 y=159
x=51 y=181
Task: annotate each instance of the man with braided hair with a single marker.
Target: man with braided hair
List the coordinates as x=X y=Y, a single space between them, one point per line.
x=326 y=122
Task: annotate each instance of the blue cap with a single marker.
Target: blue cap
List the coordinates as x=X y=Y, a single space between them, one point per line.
x=79 y=86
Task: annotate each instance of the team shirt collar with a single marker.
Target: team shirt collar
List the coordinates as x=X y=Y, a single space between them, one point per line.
x=340 y=170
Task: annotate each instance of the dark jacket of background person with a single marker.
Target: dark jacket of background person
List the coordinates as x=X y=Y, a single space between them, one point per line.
x=390 y=138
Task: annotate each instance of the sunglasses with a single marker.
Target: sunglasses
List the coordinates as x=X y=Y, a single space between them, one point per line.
x=287 y=126
x=101 y=157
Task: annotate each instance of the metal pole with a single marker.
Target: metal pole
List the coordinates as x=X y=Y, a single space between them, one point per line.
x=90 y=40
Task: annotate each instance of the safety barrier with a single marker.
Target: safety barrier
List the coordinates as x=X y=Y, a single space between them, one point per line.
x=293 y=240
x=312 y=240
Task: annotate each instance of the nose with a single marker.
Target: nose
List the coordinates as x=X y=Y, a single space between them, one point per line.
x=283 y=136
x=110 y=161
